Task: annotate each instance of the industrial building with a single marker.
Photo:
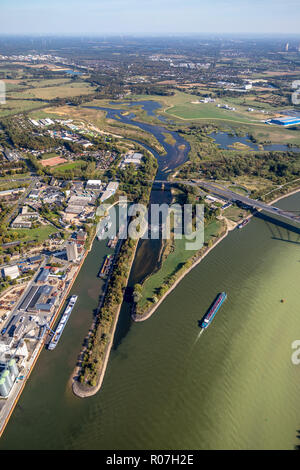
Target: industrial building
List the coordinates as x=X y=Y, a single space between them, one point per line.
x=11 y=271
x=72 y=209
x=72 y=252
x=110 y=190
x=42 y=276
x=93 y=184
x=35 y=259
x=81 y=237
x=112 y=186
x=11 y=360
x=287 y=121
x=134 y=158
x=11 y=155
x=11 y=192
x=105 y=195
x=38 y=300
x=25 y=218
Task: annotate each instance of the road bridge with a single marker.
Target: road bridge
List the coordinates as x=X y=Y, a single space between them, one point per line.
x=228 y=195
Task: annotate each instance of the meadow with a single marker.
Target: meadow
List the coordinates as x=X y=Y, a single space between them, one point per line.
x=173 y=262
x=40 y=234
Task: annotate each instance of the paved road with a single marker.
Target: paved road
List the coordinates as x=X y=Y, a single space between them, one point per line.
x=20 y=202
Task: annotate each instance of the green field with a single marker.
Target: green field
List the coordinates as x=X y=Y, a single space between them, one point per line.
x=69 y=166
x=239 y=190
x=173 y=262
x=18 y=106
x=65 y=90
x=180 y=107
x=40 y=234
x=206 y=111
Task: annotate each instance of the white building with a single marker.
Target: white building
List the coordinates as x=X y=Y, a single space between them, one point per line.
x=105 y=195
x=110 y=191
x=93 y=184
x=11 y=271
x=134 y=158
x=112 y=186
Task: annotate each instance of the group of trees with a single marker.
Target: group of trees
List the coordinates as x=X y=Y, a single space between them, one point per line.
x=21 y=139
x=274 y=166
x=137 y=182
x=12 y=168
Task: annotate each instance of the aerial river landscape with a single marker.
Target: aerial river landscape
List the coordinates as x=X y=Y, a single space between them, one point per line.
x=235 y=387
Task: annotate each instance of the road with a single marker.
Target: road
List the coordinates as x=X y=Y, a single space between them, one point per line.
x=231 y=196
x=19 y=204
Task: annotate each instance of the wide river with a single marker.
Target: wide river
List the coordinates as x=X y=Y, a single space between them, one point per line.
x=166 y=388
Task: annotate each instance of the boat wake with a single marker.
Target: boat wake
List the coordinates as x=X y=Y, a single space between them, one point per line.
x=198 y=337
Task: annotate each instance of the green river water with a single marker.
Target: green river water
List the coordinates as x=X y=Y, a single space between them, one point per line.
x=165 y=387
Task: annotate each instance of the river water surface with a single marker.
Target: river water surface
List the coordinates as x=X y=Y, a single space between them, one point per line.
x=166 y=388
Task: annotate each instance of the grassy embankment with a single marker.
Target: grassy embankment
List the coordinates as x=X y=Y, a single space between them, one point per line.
x=173 y=266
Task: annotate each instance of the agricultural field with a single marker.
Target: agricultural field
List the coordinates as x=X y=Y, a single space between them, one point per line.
x=63 y=90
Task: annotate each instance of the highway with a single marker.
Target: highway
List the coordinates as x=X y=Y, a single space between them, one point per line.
x=231 y=196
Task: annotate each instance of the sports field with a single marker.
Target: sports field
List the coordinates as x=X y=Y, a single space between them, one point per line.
x=53 y=161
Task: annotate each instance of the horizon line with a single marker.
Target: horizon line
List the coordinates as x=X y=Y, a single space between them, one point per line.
x=148 y=34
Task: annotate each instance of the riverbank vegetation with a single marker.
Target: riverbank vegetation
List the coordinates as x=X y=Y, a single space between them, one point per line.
x=137 y=184
x=98 y=340
x=175 y=258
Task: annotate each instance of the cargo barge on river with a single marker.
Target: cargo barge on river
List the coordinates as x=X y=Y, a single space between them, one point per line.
x=209 y=316
x=106 y=266
x=62 y=323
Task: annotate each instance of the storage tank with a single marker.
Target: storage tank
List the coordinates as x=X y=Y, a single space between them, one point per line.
x=13 y=368
x=4 y=390
x=8 y=380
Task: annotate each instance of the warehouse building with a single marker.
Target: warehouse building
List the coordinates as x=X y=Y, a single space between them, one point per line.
x=72 y=252
x=288 y=121
x=93 y=184
x=43 y=276
x=11 y=271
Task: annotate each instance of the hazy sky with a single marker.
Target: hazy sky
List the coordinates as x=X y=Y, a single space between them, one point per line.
x=149 y=16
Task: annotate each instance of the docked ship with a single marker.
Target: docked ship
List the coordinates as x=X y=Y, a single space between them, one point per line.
x=242 y=224
x=62 y=323
x=106 y=266
x=209 y=316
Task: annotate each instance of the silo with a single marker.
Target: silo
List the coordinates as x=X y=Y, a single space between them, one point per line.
x=8 y=380
x=13 y=368
x=4 y=390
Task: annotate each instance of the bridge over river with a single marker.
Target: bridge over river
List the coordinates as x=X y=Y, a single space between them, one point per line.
x=231 y=196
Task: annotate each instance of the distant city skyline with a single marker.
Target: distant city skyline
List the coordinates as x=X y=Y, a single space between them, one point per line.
x=149 y=16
